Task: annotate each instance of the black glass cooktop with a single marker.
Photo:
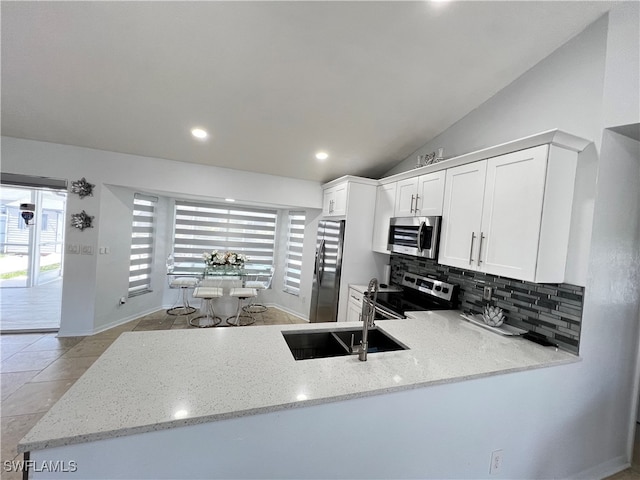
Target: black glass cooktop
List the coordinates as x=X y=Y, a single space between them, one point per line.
x=400 y=302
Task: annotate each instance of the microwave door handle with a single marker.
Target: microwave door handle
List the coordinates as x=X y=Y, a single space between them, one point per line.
x=420 y=234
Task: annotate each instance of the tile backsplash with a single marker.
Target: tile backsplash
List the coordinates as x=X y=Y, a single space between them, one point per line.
x=552 y=310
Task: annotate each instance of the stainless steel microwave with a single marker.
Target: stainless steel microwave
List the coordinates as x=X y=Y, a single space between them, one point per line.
x=417 y=236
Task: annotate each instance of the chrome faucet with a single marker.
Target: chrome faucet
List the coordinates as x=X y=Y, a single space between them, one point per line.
x=368 y=313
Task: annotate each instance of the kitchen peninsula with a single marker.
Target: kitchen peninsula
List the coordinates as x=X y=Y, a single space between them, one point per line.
x=239 y=405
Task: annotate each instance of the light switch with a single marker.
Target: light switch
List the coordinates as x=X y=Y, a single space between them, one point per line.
x=73 y=249
x=87 y=250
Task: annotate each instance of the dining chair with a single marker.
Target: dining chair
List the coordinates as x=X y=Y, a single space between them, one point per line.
x=261 y=281
x=242 y=293
x=207 y=290
x=184 y=284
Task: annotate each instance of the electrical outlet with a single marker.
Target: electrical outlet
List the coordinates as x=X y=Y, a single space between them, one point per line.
x=487 y=293
x=496 y=459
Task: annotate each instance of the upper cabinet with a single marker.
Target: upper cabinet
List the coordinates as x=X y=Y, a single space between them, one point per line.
x=334 y=201
x=420 y=196
x=510 y=215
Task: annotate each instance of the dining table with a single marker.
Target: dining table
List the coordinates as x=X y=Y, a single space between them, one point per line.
x=225 y=276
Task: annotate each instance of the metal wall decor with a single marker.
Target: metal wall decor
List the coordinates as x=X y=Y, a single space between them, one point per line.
x=430 y=158
x=81 y=220
x=82 y=187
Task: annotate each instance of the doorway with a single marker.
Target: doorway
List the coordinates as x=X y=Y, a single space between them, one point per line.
x=31 y=258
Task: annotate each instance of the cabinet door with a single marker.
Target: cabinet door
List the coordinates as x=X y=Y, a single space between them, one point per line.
x=385 y=206
x=406 y=197
x=327 y=201
x=512 y=213
x=353 y=311
x=339 y=200
x=462 y=212
x=430 y=193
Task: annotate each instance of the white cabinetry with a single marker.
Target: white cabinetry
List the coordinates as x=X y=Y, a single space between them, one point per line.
x=334 y=201
x=510 y=215
x=385 y=206
x=354 y=309
x=359 y=262
x=420 y=195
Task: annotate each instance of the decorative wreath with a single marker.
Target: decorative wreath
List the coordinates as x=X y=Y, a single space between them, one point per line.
x=82 y=187
x=81 y=220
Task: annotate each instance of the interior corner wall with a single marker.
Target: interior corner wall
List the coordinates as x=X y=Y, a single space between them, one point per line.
x=296 y=304
x=116 y=213
x=89 y=285
x=622 y=73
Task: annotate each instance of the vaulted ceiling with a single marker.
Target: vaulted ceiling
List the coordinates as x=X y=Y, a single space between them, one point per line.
x=272 y=82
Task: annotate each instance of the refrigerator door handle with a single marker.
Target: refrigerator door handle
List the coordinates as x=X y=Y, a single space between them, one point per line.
x=321 y=262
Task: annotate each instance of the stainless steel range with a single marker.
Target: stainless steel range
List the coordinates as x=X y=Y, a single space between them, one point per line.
x=418 y=293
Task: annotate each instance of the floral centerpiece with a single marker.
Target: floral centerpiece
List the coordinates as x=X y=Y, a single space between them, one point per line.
x=216 y=258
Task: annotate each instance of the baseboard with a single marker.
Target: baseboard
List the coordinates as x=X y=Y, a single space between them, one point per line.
x=102 y=328
x=115 y=323
x=603 y=470
x=286 y=310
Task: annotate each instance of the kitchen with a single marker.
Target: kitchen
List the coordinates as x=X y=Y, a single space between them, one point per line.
x=602 y=350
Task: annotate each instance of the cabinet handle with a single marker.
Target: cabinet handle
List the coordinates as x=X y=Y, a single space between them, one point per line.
x=417 y=198
x=473 y=237
x=412 y=198
x=482 y=237
x=330 y=206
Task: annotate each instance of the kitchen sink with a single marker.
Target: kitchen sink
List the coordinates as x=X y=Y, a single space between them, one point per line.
x=306 y=345
x=378 y=340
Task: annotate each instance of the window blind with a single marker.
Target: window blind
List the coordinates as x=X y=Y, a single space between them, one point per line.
x=142 y=239
x=203 y=227
x=295 y=236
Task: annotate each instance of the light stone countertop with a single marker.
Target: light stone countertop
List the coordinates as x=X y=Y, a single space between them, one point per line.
x=148 y=381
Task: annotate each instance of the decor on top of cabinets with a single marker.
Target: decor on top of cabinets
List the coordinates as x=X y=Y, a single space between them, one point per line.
x=81 y=220
x=430 y=158
x=493 y=219
x=82 y=187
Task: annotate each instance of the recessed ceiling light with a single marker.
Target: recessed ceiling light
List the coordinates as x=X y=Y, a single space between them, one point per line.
x=199 y=133
x=229 y=200
x=322 y=155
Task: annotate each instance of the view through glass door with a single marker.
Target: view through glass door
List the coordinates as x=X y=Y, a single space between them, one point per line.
x=31 y=259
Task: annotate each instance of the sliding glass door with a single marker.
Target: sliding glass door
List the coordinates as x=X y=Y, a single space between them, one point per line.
x=31 y=255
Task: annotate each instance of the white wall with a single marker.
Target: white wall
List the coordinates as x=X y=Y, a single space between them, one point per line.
x=584 y=87
x=92 y=284
x=622 y=73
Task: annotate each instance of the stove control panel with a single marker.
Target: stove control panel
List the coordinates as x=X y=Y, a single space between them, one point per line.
x=436 y=288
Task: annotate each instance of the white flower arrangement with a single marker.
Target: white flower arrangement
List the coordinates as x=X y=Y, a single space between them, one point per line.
x=216 y=258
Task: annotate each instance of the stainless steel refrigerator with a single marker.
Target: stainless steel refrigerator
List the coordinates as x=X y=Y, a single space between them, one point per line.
x=326 y=273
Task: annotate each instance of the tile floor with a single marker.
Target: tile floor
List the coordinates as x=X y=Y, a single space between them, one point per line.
x=36 y=369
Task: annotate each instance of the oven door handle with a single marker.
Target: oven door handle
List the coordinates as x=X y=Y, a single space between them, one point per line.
x=388 y=315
